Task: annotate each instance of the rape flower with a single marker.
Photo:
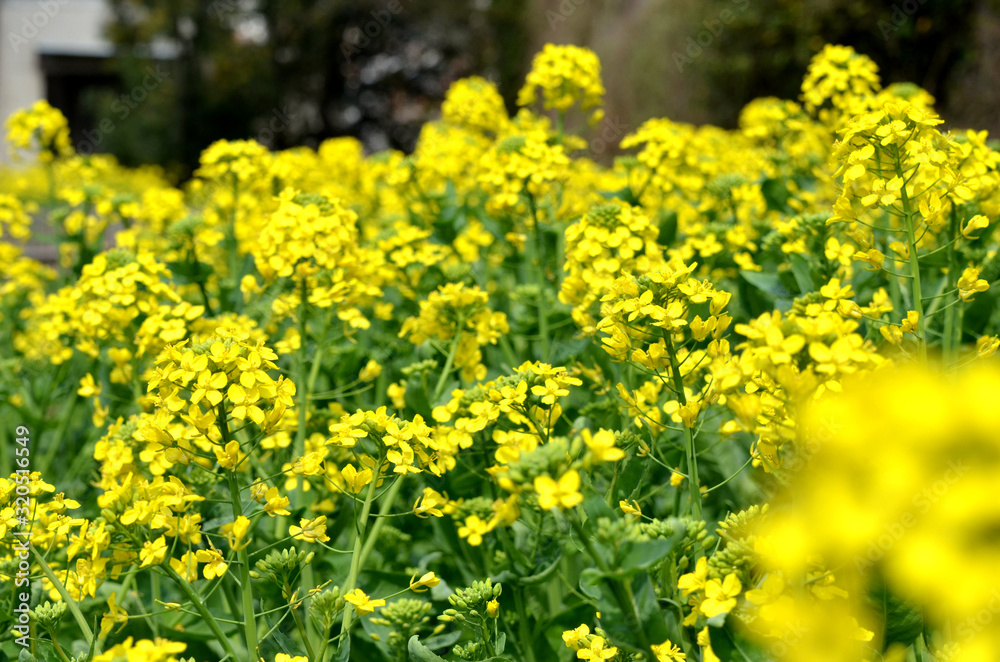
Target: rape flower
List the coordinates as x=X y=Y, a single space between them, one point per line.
x=356 y=480
x=573 y=638
x=371 y=370
x=276 y=504
x=229 y=457
x=215 y=565
x=668 y=652
x=362 y=603
x=310 y=530
x=596 y=650
x=88 y=388
x=720 y=597
x=602 y=445
x=630 y=508
x=186 y=566
x=153 y=553
x=694 y=581
x=474 y=529
x=114 y=616
x=565 y=493
x=563 y=76
x=144 y=650
x=236 y=532
x=427 y=580
x=970 y=284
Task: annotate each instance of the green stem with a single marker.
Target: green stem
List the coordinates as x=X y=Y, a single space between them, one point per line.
x=302 y=632
x=305 y=387
x=68 y=599
x=689 y=449
x=352 y=576
x=303 y=391
x=449 y=362
x=543 y=317
x=621 y=591
x=59 y=650
x=952 y=339
x=385 y=509
x=527 y=639
x=213 y=625
x=918 y=294
x=249 y=618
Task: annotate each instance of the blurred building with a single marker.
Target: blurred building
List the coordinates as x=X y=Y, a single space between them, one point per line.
x=53 y=49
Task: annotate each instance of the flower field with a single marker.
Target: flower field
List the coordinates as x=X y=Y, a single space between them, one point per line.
x=730 y=398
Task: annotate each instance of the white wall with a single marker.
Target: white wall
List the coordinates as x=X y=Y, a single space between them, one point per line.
x=29 y=27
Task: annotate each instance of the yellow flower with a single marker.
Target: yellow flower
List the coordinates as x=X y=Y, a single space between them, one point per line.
x=236 y=532
x=362 y=603
x=310 y=530
x=977 y=222
x=371 y=370
x=707 y=654
x=356 y=480
x=970 y=284
x=630 y=508
x=572 y=638
x=550 y=391
x=720 y=597
x=427 y=580
x=493 y=608
x=694 y=581
x=186 y=566
x=229 y=456
x=667 y=652
x=116 y=616
x=285 y=657
x=565 y=494
x=596 y=651
x=602 y=445
x=88 y=388
x=153 y=553
x=473 y=529
x=215 y=565
x=276 y=504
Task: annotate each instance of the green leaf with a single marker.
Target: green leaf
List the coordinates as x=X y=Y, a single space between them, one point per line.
x=803 y=273
x=729 y=646
x=767 y=283
x=420 y=653
x=25 y=656
x=635 y=556
x=343 y=653
x=442 y=640
x=501 y=643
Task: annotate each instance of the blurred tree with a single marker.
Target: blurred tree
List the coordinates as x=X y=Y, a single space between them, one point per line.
x=765 y=48
x=291 y=72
